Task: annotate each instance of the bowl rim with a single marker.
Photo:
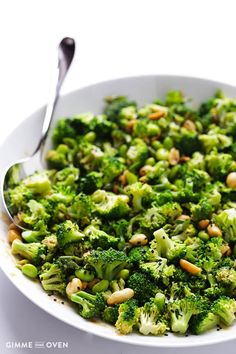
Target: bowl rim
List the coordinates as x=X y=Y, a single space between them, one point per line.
x=205 y=341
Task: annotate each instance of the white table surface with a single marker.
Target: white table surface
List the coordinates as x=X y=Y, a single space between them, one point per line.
x=115 y=39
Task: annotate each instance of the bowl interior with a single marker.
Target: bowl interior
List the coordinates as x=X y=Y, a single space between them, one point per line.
x=22 y=142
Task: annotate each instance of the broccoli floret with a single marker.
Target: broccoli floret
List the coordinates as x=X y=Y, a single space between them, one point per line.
x=68 y=232
x=154 y=269
x=110 y=205
x=63 y=130
x=187 y=142
x=99 y=238
x=68 y=264
x=89 y=305
x=225 y=308
x=110 y=314
x=204 y=322
x=166 y=247
x=115 y=106
x=81 y=208
x=35 y=252
x=52 y=246
x=128 y=316
x=151 y=321
x=108 y=263
x=227 y=278
x=139 y=194
x=201 y=211
x=226 y=220
x=111 y=167
x=32 y=235
x=142 y=286
x=218 y=164
x=67 y=176
x=137 y=154
x=181 y=312
x=152 y=219
x=36 y=215
x=38 y=183
x=91 y=182
x=52 y=278
x=61 y=157
x=213 y=140
x=138 y=254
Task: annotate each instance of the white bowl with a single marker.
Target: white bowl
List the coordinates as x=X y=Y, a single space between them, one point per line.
x=22 y=142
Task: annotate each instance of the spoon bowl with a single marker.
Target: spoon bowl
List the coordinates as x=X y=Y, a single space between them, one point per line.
x=28 y=165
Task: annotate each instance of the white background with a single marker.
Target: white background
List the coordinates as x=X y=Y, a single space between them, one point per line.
x=114 y=39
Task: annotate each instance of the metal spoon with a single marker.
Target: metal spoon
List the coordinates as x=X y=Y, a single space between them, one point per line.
x=29 y=165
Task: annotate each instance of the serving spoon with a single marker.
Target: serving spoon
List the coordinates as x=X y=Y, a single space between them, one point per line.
x=28 y=165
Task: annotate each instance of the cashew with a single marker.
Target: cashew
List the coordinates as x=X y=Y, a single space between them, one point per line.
x=189 y=267
x=12 y=226
x=156 y=115
x=13 y=234
x=214 y=231
x=74 y=286
x=174 y=156
x=203 y=224
x=144 y=170
x=138 y=239
x=189 y=125
x=183 y=217
x=120 y=296
x=122 y=179
x=231 y=180
x=225 y=250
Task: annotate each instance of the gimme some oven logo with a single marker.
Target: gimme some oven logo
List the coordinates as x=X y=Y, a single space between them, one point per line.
x=37 y=345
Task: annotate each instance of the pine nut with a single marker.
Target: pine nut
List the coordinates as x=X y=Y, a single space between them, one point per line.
x=138 y=239
x=120 y=296
x=189 y=267
x=74 y=286
x=214 y=231
x=203 y=224
x=231 y=180
x=173 y=157
x=13 y=234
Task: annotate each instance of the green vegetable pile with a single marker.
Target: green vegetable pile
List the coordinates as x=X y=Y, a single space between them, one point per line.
x=134 y=221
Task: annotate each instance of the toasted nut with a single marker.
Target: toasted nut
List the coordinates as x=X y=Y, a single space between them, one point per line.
x=130 y=125
x=74 y=286
x=122 y=179
x=115 y=188
x=231 y=180
x=138 y=239
x=143 y=179
x=173 y=156
x=93 y=282
x=203 y=224
x=184 y=159
x=156 y=115
x=214 y=231
x=189 y=125
x=144 y=170
x=225 y=250
x=12 y=226
x=189 y=267
x=13 y=235
x=183 y=217
x=120 y=296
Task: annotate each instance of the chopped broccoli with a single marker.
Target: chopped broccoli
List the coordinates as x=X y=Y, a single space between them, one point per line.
x=89 y=305
x=110 y=205
x=52 y=278
x=107 y=264
x=35 y=252
x=151 y=321
x=128 y=316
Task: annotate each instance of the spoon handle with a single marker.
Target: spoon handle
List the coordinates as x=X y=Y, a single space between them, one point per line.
x=66 y=51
